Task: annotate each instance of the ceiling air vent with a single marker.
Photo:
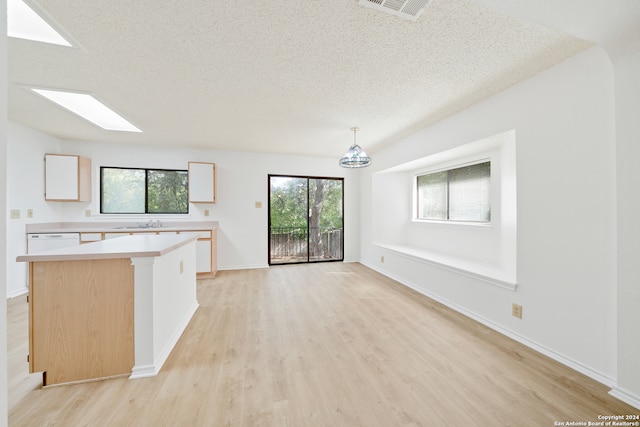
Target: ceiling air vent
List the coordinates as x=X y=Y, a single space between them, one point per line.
x=408 y=9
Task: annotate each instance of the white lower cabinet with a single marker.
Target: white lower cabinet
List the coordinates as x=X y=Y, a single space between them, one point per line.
x=203 y=250
x=203 y=256
x=90 y=237
x=114 y=235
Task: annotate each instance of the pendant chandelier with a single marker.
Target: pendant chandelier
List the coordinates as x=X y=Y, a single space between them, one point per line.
x=355 y=157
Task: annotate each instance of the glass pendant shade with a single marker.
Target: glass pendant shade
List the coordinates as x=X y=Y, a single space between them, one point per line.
x=355 y=157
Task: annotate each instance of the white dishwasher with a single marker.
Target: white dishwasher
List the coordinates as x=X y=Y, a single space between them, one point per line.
x=47 y=241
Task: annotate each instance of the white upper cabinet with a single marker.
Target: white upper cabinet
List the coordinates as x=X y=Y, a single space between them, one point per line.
x=67 y=178
x=202 y=182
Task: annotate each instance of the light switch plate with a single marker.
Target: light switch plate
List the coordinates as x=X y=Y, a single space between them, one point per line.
x=15 y=213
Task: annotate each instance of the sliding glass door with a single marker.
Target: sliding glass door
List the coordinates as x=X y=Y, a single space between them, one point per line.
x=288 y=219
x=305 y=219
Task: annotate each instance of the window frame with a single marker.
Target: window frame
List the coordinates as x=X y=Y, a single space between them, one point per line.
x=447 y=168
x=146 y=190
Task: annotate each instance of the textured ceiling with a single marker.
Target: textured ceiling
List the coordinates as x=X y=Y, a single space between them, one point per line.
x=285 y=77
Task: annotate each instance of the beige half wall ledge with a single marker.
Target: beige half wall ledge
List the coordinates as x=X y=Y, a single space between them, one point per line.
x=206 y=245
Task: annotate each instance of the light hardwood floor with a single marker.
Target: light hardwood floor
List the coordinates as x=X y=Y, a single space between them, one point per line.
x=327 y=344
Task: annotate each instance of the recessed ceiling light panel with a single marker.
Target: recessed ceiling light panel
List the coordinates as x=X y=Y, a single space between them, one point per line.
x=24 y=23
x=408 y=9
x=89 y=108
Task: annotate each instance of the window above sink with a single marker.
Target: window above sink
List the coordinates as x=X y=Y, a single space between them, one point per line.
x=143 y=191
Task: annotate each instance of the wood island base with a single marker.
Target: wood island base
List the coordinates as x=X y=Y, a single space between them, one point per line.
x=109 y=308
x=81 y=315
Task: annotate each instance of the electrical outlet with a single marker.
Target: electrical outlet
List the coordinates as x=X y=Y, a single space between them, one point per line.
x=516 y=310
x=206 y=212
x=29 y=213
x=382 y=258
x=258 y=205
x=87 y=213
x=15 y=213
x=181 y=266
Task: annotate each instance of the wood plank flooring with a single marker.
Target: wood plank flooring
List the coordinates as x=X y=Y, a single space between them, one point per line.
x=328 y=344
x=19 y=382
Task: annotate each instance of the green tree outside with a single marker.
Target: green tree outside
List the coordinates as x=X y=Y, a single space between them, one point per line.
x=123 y=191
x=301 y=204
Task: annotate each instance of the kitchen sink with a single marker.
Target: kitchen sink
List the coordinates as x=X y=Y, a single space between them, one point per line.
x=151 y=224
x=136 y=227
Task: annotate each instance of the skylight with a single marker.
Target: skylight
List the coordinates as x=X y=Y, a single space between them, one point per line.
x=89 y=108
x=24 y=23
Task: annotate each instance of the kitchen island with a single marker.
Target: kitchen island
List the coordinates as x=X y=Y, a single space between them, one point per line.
x=109 y=308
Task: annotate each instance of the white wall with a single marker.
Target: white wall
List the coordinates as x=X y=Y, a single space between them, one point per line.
x=566 y=216
x=25 y=171
x=242 y=181
x=3 y=214
x=626 y=61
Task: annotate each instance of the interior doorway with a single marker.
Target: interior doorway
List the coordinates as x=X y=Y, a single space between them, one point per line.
x=305 y=219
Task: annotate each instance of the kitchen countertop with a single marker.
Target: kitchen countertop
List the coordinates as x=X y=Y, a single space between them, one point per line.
x=115 y=227
x=136 y=246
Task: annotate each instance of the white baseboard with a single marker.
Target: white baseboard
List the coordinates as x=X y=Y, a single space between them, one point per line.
x=626 y=396
x=573 y=364
x=17 y=292
x=143 y=372
x=153 y=370
x=258 y=266
x=242 y=267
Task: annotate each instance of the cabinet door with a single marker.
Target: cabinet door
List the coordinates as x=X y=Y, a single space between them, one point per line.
x=90 y=237
x=202 y=182
x=203 y=250
x=108 y=236
x=67 y=178
x=214 y=251
x=203 y=256
x=61 y=177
